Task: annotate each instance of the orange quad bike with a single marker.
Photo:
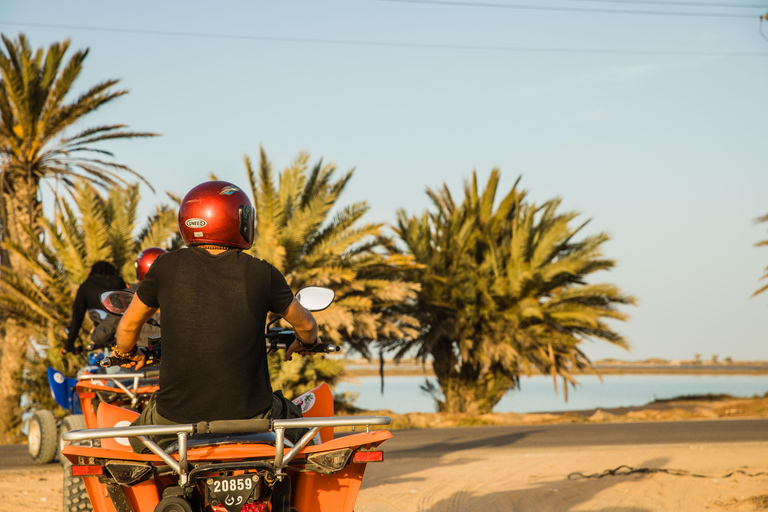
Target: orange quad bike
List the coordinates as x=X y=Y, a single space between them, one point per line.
x=121 y=387
x=44 y=429
x=128 y=389
x=79 y=396
x=229 y=465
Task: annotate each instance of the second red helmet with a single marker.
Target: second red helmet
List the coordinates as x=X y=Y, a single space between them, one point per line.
x=145 y=260
x=219 y=213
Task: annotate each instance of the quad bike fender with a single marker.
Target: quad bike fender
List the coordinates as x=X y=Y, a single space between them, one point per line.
x=316 y=403
x=98 y=495
x=61 y=389
x=373 y=438
x=87 y=392
x=142 y=497
x=75 y=453
x=327 y=493
x=88 y=404
x=336 y=492
x=267 y=451
x=110 y=416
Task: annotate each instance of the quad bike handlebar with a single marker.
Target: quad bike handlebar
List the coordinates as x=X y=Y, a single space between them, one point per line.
x=277 y=339
x=314 y=298
x=281 y=340
x=152 y=355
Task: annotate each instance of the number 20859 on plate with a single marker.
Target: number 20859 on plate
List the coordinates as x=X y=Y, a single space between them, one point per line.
x=231 y=492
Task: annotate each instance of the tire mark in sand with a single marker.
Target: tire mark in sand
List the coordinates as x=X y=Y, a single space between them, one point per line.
x=426 y=499
x=456 y=501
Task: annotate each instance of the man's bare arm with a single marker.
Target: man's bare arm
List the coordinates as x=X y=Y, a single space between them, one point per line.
x=129 y=328
x=304 y=325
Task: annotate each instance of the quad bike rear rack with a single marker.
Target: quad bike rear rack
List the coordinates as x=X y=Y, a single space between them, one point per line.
x=182 y=431
x=115 y=378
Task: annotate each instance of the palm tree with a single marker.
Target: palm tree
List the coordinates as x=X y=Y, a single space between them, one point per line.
x=299 y=233
x=34 y=146
x=33 y=113
x=38 y=292
x=504 y=291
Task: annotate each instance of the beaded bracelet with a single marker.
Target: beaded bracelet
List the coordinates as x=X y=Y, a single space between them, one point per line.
x=127 y=355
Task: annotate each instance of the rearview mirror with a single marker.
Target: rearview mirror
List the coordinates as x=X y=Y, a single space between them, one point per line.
x=315 y=298
x=117 y=301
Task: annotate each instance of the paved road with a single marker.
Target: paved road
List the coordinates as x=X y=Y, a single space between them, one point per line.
x=436 y=442
x=14 y=456
x=433 y=443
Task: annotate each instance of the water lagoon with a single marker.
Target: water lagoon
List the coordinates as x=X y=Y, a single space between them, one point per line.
x=536 y=394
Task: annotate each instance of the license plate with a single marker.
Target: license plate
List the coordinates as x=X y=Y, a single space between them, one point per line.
x=231 y=492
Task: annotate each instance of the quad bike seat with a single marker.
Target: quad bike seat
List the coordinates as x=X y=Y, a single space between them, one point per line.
x=205 y=440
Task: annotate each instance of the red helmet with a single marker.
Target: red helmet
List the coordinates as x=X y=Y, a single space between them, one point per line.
x=145 y=260
x=216 y=212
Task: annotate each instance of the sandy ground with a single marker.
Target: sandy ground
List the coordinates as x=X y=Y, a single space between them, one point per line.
x=31 y=489
x=482 y=479
x=537 y=480
x=530 y=480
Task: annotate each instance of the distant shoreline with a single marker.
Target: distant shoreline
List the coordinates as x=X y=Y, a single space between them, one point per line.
x=410 y=367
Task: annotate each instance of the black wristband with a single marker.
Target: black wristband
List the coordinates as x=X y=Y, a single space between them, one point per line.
x=306 y=347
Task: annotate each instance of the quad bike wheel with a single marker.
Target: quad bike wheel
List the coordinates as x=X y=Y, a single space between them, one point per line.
x=71 y=422
x=42 y=438
x=75 y=495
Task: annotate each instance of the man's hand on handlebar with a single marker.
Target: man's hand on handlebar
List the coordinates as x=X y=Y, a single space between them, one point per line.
x=297 y=348
x=137 y=360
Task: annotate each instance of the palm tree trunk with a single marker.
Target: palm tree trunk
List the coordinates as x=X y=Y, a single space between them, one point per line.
x=459 y=393
x=20 y=204
x=14 y=345
x=466 y=387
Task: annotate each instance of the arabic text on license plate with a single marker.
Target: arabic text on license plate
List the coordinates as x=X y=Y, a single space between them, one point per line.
x=232 y=492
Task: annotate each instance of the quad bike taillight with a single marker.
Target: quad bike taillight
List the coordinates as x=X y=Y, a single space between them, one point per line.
x=365 y=456
x=336 y=460
x=90 y=470
x=256 y=506
x=123 y=473
x=128 y=474
x=329 y=462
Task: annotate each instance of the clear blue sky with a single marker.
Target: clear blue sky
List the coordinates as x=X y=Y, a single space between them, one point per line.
x=666 y=151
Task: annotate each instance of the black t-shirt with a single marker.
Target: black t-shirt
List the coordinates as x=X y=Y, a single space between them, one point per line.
x=214 y=311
